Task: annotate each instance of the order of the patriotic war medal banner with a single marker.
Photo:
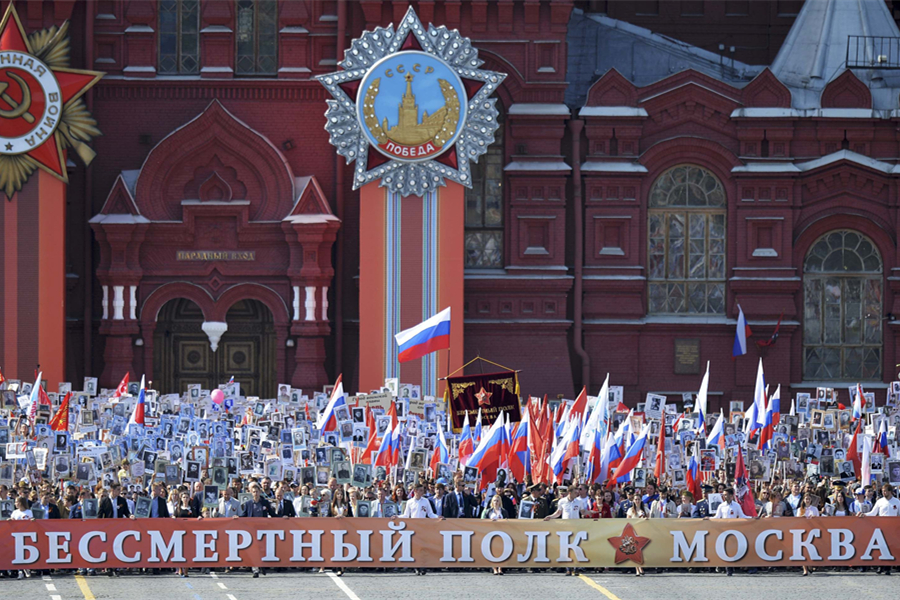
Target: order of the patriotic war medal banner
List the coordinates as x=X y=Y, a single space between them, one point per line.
x=411 y=107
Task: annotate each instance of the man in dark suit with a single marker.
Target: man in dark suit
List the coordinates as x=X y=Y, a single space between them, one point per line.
x=115 y=506
x=281 y=507
x=256 y=507
x=158 y=507
x=197 y=498
x=467 y=504
x=443 y=503
x=51 y=510
x=459 y=498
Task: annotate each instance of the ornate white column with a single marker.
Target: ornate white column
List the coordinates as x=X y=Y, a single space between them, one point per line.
x=325 y=303
x=104 y=302
x=132 y=302
x=296 y=302
x=310 y=303
x=118 y=302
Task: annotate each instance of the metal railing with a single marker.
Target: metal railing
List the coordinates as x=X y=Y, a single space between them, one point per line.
x=873 y=52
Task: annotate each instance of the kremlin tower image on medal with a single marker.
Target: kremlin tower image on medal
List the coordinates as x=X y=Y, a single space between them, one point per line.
x=408 y=130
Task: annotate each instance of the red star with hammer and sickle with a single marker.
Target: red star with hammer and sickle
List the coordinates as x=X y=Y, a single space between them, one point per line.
x=629 y=546
x=72 y=84
x=484 y=397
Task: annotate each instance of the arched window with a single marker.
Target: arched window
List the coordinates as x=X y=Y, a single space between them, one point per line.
x=686 y=239
x=842 y=303
x=484 y=208
x=179 y=37
x=257 y=37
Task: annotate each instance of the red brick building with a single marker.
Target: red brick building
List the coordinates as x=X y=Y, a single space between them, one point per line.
x=627 y=211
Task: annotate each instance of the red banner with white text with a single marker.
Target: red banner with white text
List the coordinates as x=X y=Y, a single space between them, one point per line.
x=453 y=543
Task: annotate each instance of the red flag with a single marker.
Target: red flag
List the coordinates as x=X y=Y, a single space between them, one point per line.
x=580 y=405
x=661 y=452
x=372 y=446
x=43 y=398
x=741 y=486
x=547 y=428
x=60 y=420
x=123 y=387
x=2 y=378
x=535 y=441
x=774 y=338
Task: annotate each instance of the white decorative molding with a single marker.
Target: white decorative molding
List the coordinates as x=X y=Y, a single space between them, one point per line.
x=296 y=302
x=310 y=303
x=325 y=303
x=766 y=252
x=214 y=331
x=104 y=302
x=118 y=302
x=132 y=302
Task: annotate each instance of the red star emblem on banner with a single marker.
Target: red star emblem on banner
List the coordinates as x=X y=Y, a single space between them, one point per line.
x=629 y=546
x=484 y=397
x=33 y=98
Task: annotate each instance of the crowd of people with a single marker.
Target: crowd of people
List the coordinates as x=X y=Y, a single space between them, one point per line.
x=199 y=455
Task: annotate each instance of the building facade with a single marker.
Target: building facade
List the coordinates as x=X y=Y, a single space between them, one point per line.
x=621 y=218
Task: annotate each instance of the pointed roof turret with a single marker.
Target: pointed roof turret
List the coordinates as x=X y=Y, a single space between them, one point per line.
x=815 y=51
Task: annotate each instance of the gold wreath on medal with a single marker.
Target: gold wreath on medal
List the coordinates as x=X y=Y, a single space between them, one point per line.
x=438 y=127
x=74 y=127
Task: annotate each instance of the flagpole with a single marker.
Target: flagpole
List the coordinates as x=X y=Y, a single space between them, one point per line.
x=448 y=376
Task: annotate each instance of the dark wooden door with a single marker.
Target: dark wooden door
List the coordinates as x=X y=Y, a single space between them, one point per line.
x=182 y=354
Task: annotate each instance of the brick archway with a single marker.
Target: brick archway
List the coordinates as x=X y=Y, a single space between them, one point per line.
x=252 y=291
x=215 y=215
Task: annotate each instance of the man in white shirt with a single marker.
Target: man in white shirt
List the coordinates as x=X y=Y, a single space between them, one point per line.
x=795 y=498
x=419 y=507
x=729 y=509
x=570 y=507
x=22 y=513
x=886 y=506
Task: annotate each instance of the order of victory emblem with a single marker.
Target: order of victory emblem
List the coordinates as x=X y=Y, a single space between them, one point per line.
x=411 y=107
x=41 y=110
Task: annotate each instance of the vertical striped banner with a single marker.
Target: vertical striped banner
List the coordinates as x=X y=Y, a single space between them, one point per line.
x=393 y=236
x=430 y=307
x=32 y=269
x=411 y=267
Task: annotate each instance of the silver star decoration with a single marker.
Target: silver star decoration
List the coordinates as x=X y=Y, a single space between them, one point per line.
x=345 y=134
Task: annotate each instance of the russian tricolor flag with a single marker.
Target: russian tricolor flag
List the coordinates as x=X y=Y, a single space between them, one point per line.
x=490 y=452
x=385 y=455
x=327 y=420
x=466 y=444
x=741 y=335
x=881 y=442
x=426 y=337
x=519 y=456
x=717 y=435
x=631 y=459
x=137 y=417
x=768 y=429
